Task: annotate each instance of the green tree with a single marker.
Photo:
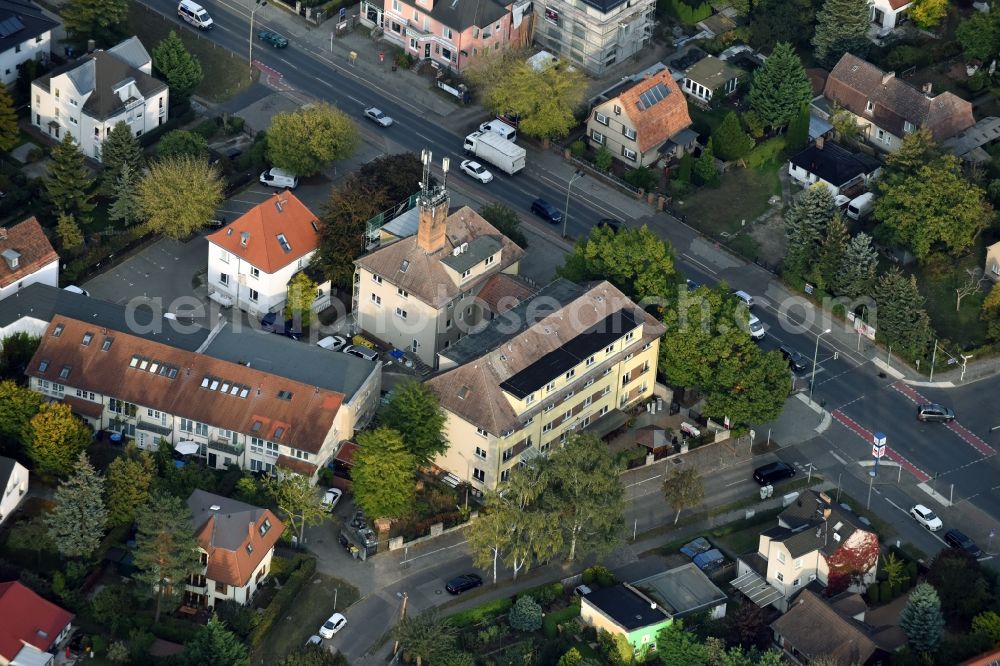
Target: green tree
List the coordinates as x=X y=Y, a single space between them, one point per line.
x=683 y=489
x=182 y=142
x=917 y=149
x=107 y=608
x=780 y=87
x=636 y=261
x=776 y=21
x=805 y=225
x=426 y=636
x=102 y=20
x=732 y=142
x=701 y=331
x=489 y=535
x=31 y=535
x=960 y=585
x=314 y=655
x=525 y=614
x=990 y=313
x=181 y=69
x=506 y=220
x=832 y=251
x=69 y=184
x=129 y=482
x=179 y=195
x=55 y=440
x=118 y=652
x=77 y=523
x=544 y=100
x=902 y=320
x=16 y=352
x=841 y=27
x=125 y=207
x=587 y=494
x=307 y=141
x=18 y=405
x=297 y=500
x=397 y=176
x=572 y=657
x=677 y=647
x=68 y=231
x=921 y=619
x=704 y=167
x=119 y=151
x=685 y=168
x=857 y=271
x=979 y=35
x=987 y=624
x=894 y=570
x=166 y=551
x=414 y=411
x=927 y=14
x=383 y=474
x=603 y=158
x=10 y=134
x=798 y=130
x=751 y=387
x=300 y=297
x=342 y=229
x=216 y=645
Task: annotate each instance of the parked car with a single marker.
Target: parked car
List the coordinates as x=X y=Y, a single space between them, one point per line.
x=745 y=297
x=477 y=171
x=959 y=541
x=375 y=115
x=934 y=412
x=771 y=473
x=361 y=352
x=333 y=625
x=272 y=38
x=463 y=583
x=926 y=517
x=582 y=590
x=614 y=225
x=331 y=498
x=77 y=290
x=696 y=547
x=756 y=328
x=796 y=361
x=269 y=322
x=333 y=342
x=691 y=284
x=546 y=211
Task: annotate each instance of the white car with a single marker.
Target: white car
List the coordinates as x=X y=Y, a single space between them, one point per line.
x=375 y=115
x=926 y=517
x=477 y=171
x=333 y=625
x=331 y=498
x=333 y=342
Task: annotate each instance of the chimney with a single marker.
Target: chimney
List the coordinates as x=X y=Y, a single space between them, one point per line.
x=12 y=257
x=3 y=233
x=888 y=76
x=927 y=89
x=244 y=238
x=826 y=513
x=432 y=210
x=819 y=143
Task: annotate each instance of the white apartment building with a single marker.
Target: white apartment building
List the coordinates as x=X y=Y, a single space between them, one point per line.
x=25 y=34
x=13 y=486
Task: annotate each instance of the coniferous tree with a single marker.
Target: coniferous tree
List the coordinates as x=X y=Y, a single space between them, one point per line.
x=181 y=69
x=729 y=139
x=798 y=130
x=76 y=524
x=216 y=645
x=841 y=27
x=102 y=20
x=805 y=226
x=902 y=320
x=10 y=134
x=857 y=270
x=70 y=235
x=414 y=411
x=780 y=87
x=921 y=619
x=704 y=166
x=125 y=207
x=831 y=254
x=166 y=550
x=120 y=149
x=69 y=184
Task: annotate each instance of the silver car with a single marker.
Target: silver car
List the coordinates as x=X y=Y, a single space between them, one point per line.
x=375 y=115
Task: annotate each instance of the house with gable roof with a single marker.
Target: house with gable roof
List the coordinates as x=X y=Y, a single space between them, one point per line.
x=86 y=98
x=887 y=108
x=25 y=34
x=27 y=258
x=645 y=122
x=31 y=627
x=236 y=542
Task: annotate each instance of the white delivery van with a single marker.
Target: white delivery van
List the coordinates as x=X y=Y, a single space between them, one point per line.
x=756 y=328
x=498 y=126
x=195 y=14
x=275 y=177
x=745 y=297
x=861 y=206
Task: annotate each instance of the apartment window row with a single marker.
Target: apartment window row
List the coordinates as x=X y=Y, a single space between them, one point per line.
x=263 y=447
x=194 y=427
x=117 y=406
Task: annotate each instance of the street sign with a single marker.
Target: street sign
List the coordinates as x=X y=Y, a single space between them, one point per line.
x=879 y=439
x=343 y=13
x=864 y=329
x=878 y=450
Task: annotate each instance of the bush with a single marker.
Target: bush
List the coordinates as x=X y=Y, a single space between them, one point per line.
x=174 y=630
x=886 y=592
x=483 y=612
x=283 y=599
x=603 y=159
x=874 y=598
x=904 y=57
x=766 y=153
x=578 y=148
x=544 y=594
x=238 y=618
x=526 y=614
x=642 y=178
x=687 y=14
x=600 y=575
x=552 y=621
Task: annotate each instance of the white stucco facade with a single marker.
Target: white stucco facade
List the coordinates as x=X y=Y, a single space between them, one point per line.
x=35 y=48
x=250 y=287
x=47 y=274
x=13 y=489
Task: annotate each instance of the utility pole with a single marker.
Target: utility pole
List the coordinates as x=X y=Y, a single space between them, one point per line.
x=933 y=358
x=402 y=616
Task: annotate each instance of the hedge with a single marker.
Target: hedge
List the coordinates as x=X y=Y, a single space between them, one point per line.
x=687 y=14
x=174 y=630
x=283 y=599
x=766 y=153
x=488 y=610
x=544 y=594
x=550 y=625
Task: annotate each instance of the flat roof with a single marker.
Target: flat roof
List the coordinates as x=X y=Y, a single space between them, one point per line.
x=626 y=607
x=682 y=591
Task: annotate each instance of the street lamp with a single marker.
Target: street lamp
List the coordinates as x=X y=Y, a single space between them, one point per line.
x=257 y=5
x=577 y=175
x=812 y=380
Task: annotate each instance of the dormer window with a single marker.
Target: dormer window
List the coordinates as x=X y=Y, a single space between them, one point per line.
x=908 y=127
x=87 y=337
x=265 y=526
x=249 y=549
x=58 y=330
x=870 y=106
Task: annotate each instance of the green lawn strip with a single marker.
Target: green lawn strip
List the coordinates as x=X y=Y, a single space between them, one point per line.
x=226 y=74
x=743 y=536
x=304 y=617
x=742 y=194
x=937 y=280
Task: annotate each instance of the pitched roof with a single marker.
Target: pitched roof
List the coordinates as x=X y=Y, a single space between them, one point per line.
x=533 y=351
x=503 y=291
x=423 y=274
x=27 y=617
x=813 y=522
x=712 y=72
x=32 y=250
x=272 y=234
x=6 y=470
x=21 y=21
x=854 y=83
x=132 y=53
x=834 y=164
x=842 y=640
x=190 y=385
x=461 y=14
x=657 y=108
x=629 y=608
x=225 y=528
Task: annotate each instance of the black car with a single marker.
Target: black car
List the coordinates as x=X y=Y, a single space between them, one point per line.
x=691 y=284
x=463 y=583
x=796 y=361
x=270 y=323
x=546 y=211
x=614 y=225
x=959 y=541
x=771 y=473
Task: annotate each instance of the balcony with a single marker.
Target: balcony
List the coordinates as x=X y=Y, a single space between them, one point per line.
x=155 y=428
x=225 y=446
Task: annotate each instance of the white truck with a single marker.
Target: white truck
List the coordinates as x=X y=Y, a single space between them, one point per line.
x=496 y=150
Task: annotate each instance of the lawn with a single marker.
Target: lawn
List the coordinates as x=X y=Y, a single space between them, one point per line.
x=937 y=278
x=226 y=74
x=311 y=609
x=742 y=194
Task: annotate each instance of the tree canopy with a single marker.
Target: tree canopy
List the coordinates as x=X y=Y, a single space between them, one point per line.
x=120 y=151
x=384 y=474
x=17 y=407
x=216 y=645
x=414 y=411
x=296 y=499
x=179 y=195
x=901 y=320
x=927 y=14
x=77 y=523
x=129 y=482
x=180 y=68
x=301 y=295
x=806 y=221
x=56 y=439
x=683 y=489
x=102 y=20
x=776 y=21
x=182 y=142
x=308 y=140
x=543 y=100
x=841 y=27
x=921 y=619
x=10 y=134
x=166 y=550
x=506 y=220
x=979 y=35
x=730 y=140
x=780 y=87
x=69 y=183
x=342 y=228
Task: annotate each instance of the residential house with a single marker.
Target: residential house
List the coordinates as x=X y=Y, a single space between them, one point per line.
x=710 y=77
x=570 y=358
x=419 y=293
x=625 y=611
x=684 y=591
x=594 y=35
x=236 y=542
x=969 y=143
x=31 y=628
x=87 y=98
x=814 y=540
x=887 y=15
x=840 y=170
x=252 y=259
x=992 y=269
x=986 y=659
x=644 y=123
x=28 y=258
x=834 y=631
x=13 y=486
x=449 y=33
x=25 y=34
x=887 y=109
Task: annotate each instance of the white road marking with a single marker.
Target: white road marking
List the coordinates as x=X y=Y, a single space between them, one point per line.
x=838 y=458
x=704 y=267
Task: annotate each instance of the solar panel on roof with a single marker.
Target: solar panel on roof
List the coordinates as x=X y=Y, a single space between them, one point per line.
x=9 y=26
x=652 y=96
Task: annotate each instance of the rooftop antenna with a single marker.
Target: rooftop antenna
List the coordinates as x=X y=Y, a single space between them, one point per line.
x=445 y=163
x=425 y=183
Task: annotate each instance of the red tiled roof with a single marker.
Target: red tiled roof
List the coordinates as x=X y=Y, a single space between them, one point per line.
x=503 y=292
x=283 y=214
x=27 y=617
x=346 y=453
x=657 y=123
x=84 y=407
x=298 y=466
x=27 y=239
